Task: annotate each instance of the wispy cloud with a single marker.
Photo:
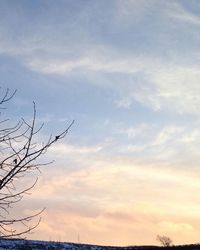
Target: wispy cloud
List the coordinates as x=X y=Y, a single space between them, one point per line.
x=149 y=79
x=156 y=86
x=122 y=192
x=178 y=12
x=128 y=71
x=168 y=134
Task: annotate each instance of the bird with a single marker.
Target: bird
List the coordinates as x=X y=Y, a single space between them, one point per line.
x=57 y=137
x=15 y=161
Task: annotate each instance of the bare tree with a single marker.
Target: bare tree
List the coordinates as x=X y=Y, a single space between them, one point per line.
x=164 y=240
x=19 y=154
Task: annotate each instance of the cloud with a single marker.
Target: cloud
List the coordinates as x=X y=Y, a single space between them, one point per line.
x=169 y=226
x=191 y=137
x=134 y=53
x=95 y=63
x=92 y=200
x=134 y=131
x=156 y=86
x=178 y=12
x=148 y=78
x=167 y=84
x=168 y=134
x=63 y=149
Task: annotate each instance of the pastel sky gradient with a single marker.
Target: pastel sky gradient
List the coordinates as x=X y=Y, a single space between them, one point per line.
x=128 y=72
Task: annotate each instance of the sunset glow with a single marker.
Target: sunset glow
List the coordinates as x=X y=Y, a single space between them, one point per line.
x=128 y=73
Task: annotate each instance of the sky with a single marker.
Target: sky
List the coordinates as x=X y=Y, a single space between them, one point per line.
x=127 y=72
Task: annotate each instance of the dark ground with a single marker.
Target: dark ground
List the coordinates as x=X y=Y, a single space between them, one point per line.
x=45 y=245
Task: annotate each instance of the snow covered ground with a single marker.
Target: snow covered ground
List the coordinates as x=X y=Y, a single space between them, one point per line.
x=47 y=245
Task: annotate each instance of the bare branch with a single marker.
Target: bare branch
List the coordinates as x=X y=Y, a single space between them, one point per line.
x=19 y=155
x=7 y=97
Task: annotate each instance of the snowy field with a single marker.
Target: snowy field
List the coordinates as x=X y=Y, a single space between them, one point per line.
x=40 y=245
x=47 y=245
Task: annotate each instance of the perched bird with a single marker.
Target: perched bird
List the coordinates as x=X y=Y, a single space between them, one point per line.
x=15 y=161
x=57 y=137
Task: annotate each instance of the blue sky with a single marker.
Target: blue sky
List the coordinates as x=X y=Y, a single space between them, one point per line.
x=128 y=72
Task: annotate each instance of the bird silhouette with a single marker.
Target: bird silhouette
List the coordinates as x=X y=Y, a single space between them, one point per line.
x=57 y=137
x=15 y=161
